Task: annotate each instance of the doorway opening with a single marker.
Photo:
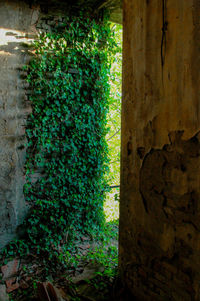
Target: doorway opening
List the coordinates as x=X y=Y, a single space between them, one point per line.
x=111 y=205
x=89 y=259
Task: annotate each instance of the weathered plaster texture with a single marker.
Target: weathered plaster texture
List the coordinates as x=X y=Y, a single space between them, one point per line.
x=16 y=28
x=160 y=178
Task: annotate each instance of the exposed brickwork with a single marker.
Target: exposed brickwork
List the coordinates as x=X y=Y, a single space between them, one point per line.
x=9 y=275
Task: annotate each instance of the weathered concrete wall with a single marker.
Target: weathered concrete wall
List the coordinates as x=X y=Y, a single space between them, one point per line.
x=16 y=28
x=160 y=181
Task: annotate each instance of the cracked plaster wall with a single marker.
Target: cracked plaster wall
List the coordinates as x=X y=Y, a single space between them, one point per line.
x=160 y=175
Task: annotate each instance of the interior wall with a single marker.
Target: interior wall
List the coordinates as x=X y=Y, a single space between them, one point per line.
x=16 y=28
x=19 y=25
x=160 y=168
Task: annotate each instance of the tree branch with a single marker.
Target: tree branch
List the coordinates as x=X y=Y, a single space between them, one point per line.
x=114 y=134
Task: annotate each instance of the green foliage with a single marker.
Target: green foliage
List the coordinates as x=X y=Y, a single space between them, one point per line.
x=103 y=252
x=114 y=115
x=67 y=153
x=107 y=258
x=66 y=130
x=111 y=204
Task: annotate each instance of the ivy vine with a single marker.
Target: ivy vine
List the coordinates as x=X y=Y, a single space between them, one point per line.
x=67 y=153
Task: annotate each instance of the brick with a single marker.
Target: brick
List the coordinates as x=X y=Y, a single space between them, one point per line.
x=10 y=269
x=11 y=285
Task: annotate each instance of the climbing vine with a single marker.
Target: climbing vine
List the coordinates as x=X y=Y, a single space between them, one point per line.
x=67 y=155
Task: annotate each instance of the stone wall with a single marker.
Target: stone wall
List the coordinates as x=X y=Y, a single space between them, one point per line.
x=160 y=177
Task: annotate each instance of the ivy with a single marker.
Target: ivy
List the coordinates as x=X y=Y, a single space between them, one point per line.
x=67 y=153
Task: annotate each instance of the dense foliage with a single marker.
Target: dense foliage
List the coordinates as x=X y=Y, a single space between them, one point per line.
x=111 y=204
x=114 y=115
x=69 y=78
x=67 y=153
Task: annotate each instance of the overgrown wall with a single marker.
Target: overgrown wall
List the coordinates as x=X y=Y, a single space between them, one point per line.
x=160 y=183
x=19 y=23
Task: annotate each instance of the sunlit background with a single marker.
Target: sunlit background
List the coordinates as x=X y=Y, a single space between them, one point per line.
x=111 y=205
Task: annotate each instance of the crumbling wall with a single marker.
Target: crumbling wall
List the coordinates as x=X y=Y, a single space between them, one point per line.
x=160 y=177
